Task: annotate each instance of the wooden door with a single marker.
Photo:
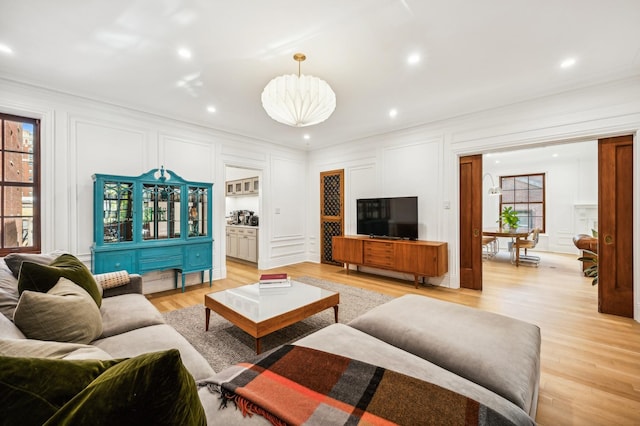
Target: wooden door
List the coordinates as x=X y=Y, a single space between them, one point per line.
x=331 y=212
x=471 y=222
x=615 y=226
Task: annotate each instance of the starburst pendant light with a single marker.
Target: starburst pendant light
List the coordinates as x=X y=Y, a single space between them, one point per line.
x=298 y=100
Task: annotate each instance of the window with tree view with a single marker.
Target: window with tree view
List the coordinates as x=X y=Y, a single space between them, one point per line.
x=526 y=195
x=20 y=185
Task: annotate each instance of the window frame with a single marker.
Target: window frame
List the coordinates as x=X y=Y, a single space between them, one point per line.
x=514 y=203
x=35 y=185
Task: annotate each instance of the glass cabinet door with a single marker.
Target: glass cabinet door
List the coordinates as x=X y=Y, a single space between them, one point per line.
x=160 y=212
x=198 y=211
x=117 y=219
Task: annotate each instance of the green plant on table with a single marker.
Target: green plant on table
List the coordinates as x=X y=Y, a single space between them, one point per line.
x=509 y=218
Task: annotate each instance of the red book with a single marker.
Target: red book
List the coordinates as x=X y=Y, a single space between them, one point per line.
x=273 y=278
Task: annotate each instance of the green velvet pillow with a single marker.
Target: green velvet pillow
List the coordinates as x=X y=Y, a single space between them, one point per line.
x=153 y=389
x=34 y=389
x=42 y=278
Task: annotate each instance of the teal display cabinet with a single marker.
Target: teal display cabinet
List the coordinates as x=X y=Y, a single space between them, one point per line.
x=153 y=222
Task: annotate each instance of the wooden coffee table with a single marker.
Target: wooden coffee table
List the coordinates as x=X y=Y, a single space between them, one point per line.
x=259 y=311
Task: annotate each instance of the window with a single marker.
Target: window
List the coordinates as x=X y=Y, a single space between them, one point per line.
x=19 y=184
x=526 y=195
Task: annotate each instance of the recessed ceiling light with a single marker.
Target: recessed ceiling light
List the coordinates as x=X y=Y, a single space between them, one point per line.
x=497 y=161
x=184 y=53
x=568 y=63
x=5 y=49
x=393 y=112
x=414 y=58
x=211 y=109
x=554 y=155
x=306 y=136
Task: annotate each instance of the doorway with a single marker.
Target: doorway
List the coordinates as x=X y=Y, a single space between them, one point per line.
x=243 y=201
x=583 y=197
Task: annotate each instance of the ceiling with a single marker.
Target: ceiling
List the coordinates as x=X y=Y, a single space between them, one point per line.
x=473 y=56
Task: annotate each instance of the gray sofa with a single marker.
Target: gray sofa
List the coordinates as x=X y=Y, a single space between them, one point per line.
x=131 y=326
x=490 y=358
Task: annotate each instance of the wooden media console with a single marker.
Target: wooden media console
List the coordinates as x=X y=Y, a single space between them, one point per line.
x=420 y=258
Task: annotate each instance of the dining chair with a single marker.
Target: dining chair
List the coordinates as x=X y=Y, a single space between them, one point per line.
x=529 y=243
x=490 y=247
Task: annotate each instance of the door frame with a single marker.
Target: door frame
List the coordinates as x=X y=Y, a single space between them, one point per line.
x=263 y=225
x=471 y=256
x=599 y=131
x=614 y=281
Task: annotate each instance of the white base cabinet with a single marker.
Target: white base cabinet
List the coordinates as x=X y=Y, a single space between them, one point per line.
x=242 y=243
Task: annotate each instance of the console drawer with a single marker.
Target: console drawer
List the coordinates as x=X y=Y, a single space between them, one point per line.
x=380 y=254
x=160 y=258
x=197 y=257
x=122 y=260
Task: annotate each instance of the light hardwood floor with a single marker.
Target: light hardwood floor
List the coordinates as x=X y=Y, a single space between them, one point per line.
x=590 y=361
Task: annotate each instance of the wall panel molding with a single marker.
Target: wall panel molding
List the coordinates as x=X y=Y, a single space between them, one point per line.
x=96 y=146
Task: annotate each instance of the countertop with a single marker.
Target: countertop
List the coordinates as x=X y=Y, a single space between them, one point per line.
x=243 y=226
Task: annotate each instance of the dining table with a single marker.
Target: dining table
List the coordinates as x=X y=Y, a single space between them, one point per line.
x=515 y=234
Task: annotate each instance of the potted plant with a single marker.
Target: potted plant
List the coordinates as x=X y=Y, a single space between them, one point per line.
x=592 y=270
x=509 y=218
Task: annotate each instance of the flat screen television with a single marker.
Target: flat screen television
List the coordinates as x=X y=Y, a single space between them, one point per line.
x=394 y=217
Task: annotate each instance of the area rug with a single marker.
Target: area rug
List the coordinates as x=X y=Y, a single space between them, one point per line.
x=225 y=344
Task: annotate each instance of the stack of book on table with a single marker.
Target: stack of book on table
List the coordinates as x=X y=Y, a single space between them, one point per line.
x=274 y=280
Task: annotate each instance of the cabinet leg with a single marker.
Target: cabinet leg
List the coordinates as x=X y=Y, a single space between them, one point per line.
x=346 y=265
x=415 y=280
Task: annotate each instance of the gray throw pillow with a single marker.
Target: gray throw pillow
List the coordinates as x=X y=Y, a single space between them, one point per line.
x=8 y=329
x=8 y=292
x=31 y=348
x=14 y=260
x=66 y=313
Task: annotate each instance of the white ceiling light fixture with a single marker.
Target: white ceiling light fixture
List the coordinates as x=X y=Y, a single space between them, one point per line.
x=568 y=63
x=298 y=100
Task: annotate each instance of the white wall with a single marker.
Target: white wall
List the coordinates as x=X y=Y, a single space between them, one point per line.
x=389 y=163
x=406 y=165
x=81 y=137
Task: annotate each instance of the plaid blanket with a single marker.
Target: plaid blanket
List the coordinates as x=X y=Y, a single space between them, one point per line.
x=298 y=385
